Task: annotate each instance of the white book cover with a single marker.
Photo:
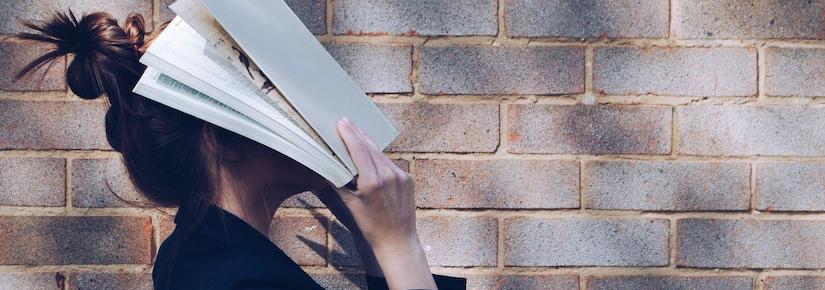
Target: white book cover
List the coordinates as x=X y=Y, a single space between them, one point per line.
x=277 y=42
x=181 y=53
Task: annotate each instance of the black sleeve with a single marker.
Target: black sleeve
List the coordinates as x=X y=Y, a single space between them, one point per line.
x=441 y=281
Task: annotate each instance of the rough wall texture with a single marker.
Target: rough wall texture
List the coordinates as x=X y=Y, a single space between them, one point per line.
x=555 y=144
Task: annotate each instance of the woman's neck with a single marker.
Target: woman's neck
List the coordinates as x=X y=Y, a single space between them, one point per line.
x=257 y=208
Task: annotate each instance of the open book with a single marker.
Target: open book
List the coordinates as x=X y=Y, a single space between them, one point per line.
x=253 y=68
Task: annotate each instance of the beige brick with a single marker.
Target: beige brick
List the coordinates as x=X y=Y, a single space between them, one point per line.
x=666 y=185
x=28 y=181
x=303 y=239
x=443 y=127
x=651 y=282
x=613 y=129
x=62 y=240
x=735 y=243
x=585 y=241
x=17 y=55
x=52 y=125
x=459 y=241
x=763 y=19
x=496 y=183
x=674 y=71
x=103 y=182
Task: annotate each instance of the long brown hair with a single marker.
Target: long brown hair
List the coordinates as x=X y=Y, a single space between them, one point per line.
x=163 y=149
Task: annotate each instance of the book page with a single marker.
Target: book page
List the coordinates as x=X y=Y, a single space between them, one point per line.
x=170 y=92
x=199 y=19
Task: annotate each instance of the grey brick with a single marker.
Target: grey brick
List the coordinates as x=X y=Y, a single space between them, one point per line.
x=501 y=70
x=103 y=183
x=11 y=11
x=52 y=125
x=524 y=282
x=587 y=18
x=32 y=181
x=428 y=127
x=376 y=69
x=442 y=183
x=582 y=241
x=459 y=241
x=751 y=130
x=762 y=19
x=712 y=72
x=794 y=72
x=30 y=281
x=784 y=186
x=74 y=240
x=18 y=54
x=424 y=17
x=119 y=280
x=794 y=282
x=669 y=282
x=728 y=243
x=613 y=129
x=666 y=185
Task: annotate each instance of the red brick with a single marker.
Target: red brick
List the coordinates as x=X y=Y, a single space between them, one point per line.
x=790 y=186
x=525 y=282
x=303 y=239
x=52 y=125
x=589 y=129
x=28 y=181
x=103 y=183
x=344 y=252
x=341 y=281
x=459 y=241
x=62 y=240
x=17 y=55
x=96 y=280
x=166 y=224
x=443 y=127
x=501 y=183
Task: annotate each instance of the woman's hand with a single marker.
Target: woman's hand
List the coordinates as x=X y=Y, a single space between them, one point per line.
x=384 y=211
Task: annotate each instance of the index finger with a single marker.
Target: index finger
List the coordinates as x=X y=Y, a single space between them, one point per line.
x=358 y=150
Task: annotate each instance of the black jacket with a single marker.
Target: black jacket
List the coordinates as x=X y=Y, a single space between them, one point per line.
x=224 y=252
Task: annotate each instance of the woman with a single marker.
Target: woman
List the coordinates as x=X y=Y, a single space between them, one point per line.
x=227 y=186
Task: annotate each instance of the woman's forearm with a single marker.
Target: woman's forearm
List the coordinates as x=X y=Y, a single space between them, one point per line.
x=404 y=264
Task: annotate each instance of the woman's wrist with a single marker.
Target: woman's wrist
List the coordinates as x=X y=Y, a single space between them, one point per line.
x=404 y=263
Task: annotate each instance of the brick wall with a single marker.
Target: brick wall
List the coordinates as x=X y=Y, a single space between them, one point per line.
x=555 y=144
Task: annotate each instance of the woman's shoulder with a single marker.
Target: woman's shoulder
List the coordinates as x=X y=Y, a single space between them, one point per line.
x=203 y=262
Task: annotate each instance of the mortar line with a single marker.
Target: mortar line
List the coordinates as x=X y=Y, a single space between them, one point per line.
x=588 y=71
x=69 y=184
x=673 y=242
x=503 y=130
x=753 y=195
x=500 y=244
x=329 y=17
x=760 y=75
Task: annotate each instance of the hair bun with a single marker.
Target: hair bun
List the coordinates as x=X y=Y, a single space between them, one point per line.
x=103 y=50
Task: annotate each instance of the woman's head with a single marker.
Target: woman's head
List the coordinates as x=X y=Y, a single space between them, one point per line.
x=170 y=156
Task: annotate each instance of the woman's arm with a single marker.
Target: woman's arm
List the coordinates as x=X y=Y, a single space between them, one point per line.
x=384 y=213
